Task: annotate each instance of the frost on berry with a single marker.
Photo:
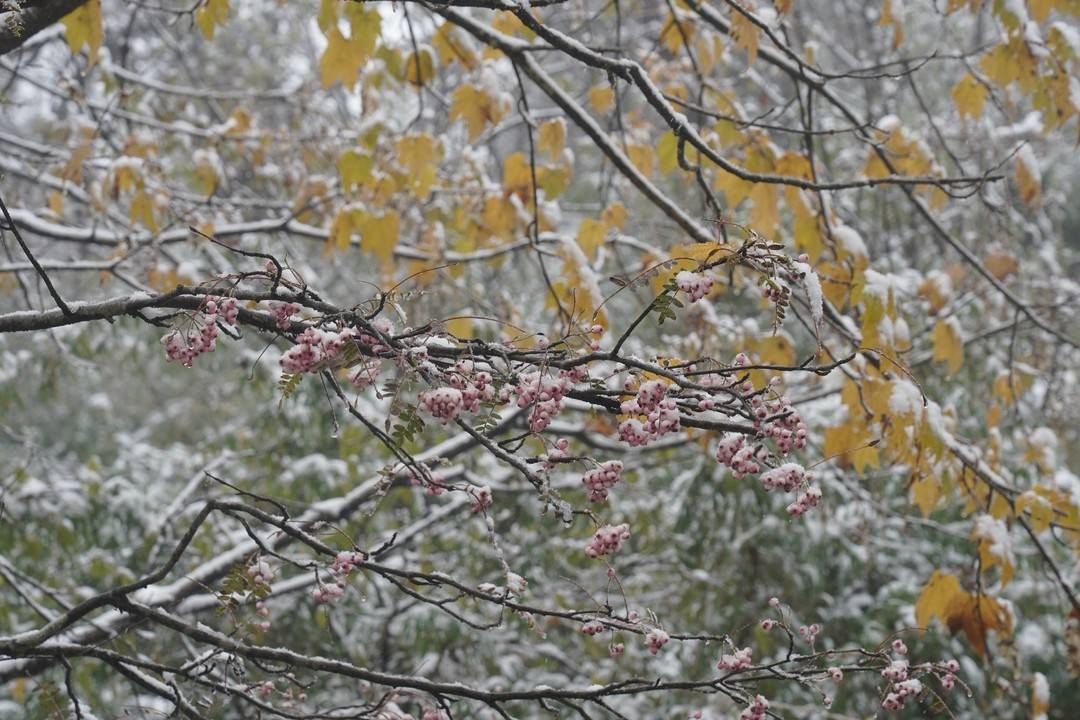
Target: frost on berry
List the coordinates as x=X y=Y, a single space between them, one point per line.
x=656 y=639
x=607 y=539
x=600 y=480
x=694 y=285
x=738 y=660
x=443 y=403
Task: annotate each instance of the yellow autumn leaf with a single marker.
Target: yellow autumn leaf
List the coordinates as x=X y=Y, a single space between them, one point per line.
x=379 y=234
x=460 y=327
x=1040 y=688
x=888 y=19
x=994 y=546
x=925 y=493
x=667 y=152
x=327 y=16
x=1027 y=176
x=1001 y=264
x=1039 y=508
x=476 y=107
x=551 y=137
x=590 y=236
x=341 y=231
x=517 y=176
x=210 y=15
x=764 y=210
x=641 y=156
x=745 y=34
x=602 y=98
x=83 y=28
x=142 y=211
x=553 y=180
x=340 y=62
x=451 y=46
x=415 y=152
x=420 y=67
x=354 y=168
x=56 y=203
x=675 y=34
x=969 y=96
x=948 y=345
x=938 y=598
x=614 y=216
x=499 y=217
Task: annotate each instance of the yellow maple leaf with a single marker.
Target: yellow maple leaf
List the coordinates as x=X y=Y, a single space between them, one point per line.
x=925 y=493
x=420 y=67
x=1027 y=176
x=948 y=345
x=551 y=137
x=341 y=231
x=938 y=598
x=675 y=34
x=602 y=98
x=888 y=19
x=476 y=107
x=641 y=156
x=745 y=34
x=142 y=211
x=614 y=216
x=210 y=15
x=590 y=236
x=415 y=152
x=517 y=176
x=499 y=217
x=451 y=46
x=379 y=234
x=969 y=96
x=460 y=327
x=340 y=62
x=83 y=28
x=354 y=168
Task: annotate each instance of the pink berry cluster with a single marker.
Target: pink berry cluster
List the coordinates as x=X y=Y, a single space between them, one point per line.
x=903 y=686
x=661 y=412
x=475 y=385
x=593 y=627
x=656 y=639
x=948 y=680
x=314 y=348
x=430 y=481
x=756 y=709
x=694 y=285
x=738 y=660
x=481 y=496
x=608 y=539
x=443 y=403
x=382 y=325
x=544 y=395
x=556 y=453
x=324 y=594
x=182 y=348
x=601 y=479
x=283 y=312
x=809 y=633
x=788 y=430
x=344 y=563
x=900 y=693
x=260 y=572
x=737 y=454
